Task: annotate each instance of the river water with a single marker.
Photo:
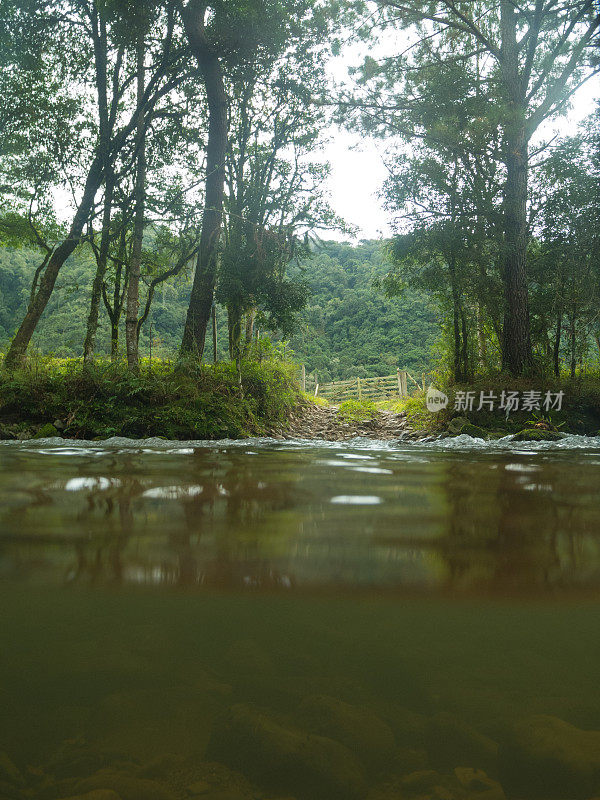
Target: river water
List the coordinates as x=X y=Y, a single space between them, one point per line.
x=304 y=620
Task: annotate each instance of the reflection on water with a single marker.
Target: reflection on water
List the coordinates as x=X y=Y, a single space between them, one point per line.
x=268 y=621
x=289 y=518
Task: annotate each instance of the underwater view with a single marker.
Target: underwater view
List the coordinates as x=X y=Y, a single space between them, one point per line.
x=278 y=620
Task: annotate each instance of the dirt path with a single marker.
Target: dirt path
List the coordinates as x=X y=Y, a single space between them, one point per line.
x=321 y=422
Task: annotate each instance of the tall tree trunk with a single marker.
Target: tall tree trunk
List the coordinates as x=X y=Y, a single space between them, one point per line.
x=456 y=320
x=465 y=344
x=114 y=340
x=517 y=355
x=573 y=343
x=234 y=322
x=203 y=287
x=102 y=260
x=39 y=301
x=516 y=345
x=250 y=317
x=481 y=341
x=100 y=61
x=556 y=348
x=133 y=288
x=115 y=309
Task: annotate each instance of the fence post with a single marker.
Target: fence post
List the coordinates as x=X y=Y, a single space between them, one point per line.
x=359 y=391
x=303 y=378
x=399 y=382
x=404 y=383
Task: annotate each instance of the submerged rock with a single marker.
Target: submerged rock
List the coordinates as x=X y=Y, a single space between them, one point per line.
x=285 y=758
x=9 y=790
x=9 y=771
x=409 y=759
x=477 y=783
x=359 y=729
x=126 y=786
x=420 y=781
x=451 y=742
x=97 y=794
x=427 y=784
x=545 y=757
x=409 y=726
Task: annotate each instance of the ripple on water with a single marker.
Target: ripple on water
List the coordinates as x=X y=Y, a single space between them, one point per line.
x=173 y=492
x=356 y=499
x=98 y=484
x=373 y=470
x=120 y=444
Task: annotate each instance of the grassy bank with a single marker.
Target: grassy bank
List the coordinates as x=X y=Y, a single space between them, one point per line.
x=580 y=412
x=58 y=397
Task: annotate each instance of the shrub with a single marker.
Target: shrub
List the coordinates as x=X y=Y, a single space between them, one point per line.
x=181 y=401
x=357 y=411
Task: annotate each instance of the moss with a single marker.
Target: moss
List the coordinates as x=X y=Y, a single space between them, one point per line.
x=47 y=431
x=185 y=401
x=357 y=411
x=537 y=435
x=475 y=431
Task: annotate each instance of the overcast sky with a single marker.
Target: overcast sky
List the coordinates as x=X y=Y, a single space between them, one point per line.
x=358 y=171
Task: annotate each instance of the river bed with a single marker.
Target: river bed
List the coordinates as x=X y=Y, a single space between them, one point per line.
x=300 y=619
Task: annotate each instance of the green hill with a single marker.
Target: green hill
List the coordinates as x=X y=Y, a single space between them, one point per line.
x=348 y=327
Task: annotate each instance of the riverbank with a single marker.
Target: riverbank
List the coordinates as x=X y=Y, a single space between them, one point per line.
x=542 y=410
x=343 y=423
x=58 y=397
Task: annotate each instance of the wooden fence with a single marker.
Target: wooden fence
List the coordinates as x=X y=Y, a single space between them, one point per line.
x=386 y=387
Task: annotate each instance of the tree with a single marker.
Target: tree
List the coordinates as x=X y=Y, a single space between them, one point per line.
x=83 y=19
x=274 y=188
x=566 y=262
x=224 y=38
x=519 y=64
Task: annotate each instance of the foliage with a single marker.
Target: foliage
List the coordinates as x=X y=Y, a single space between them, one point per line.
x=356 y=411
x=183 y=402
x=472 y=89
x=417 y=415
x=348 y=328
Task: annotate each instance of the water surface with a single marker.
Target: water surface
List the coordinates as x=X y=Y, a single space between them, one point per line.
x=301 y=619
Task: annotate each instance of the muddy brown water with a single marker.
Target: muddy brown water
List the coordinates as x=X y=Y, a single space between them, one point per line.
x=302 y=620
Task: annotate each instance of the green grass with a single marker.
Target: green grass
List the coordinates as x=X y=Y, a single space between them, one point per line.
x=317 y=401
x=357 y=411
x=185 y=401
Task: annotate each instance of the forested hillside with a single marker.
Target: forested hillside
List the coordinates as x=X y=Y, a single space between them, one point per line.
x=347 y=328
